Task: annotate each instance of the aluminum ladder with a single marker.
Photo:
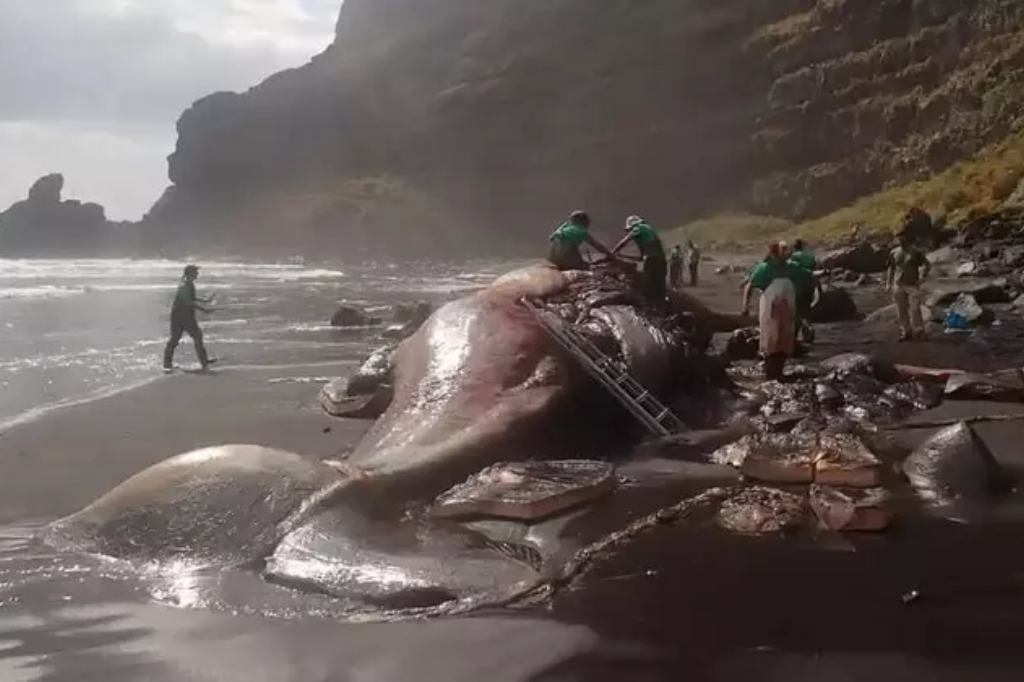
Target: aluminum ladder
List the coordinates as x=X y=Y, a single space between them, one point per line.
x=641 y=403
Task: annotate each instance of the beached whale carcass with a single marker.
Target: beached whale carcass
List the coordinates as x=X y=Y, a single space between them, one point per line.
x=479 y=383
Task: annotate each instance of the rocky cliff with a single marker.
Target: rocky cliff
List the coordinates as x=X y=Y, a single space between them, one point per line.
x=443 y=126
x=45 y=224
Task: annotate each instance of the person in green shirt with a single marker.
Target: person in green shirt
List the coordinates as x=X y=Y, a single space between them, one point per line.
x=183 y=319
x=776 y=266
x=565 y=242
x=803 y=257
x=652 y=254
x=908 y=267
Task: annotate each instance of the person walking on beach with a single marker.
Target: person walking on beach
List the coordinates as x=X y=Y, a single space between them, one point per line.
x=908 y=268
x=566 y=240
x=652 y=253
x=675 y=267
x=693 y=261
x=183 y=319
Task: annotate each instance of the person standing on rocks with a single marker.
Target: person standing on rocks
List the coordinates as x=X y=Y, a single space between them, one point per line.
x=908 y=268
x=776 y=266
x=675 y=268
x=802 y=257
x=693 y=262
x=652 y=253
x=566 y=240
x=183 y=319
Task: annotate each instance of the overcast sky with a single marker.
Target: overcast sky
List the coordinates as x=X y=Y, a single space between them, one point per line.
x=93 y=88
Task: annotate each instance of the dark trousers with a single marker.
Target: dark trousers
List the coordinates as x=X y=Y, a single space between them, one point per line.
x=694 y=268
x=185 y=324
x=654 y=275
x=675 y=274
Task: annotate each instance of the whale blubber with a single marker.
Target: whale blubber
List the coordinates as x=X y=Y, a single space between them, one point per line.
x=860 y=510
x=759 y=511
x=527 y=491
x=843 y=460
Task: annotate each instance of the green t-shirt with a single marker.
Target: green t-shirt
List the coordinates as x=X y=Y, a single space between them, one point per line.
x=571 y=233
x=647 y=240
x=766 y=272
x=906 y=264
x=804 y=259
x=185 y=297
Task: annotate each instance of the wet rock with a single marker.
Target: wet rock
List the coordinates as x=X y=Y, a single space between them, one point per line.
x=986 y=294
x=744 y=344
x=759 y=511
x=946 y=255
x=834 y=305
x=1013 y=256
x=338 y=400
x=408 y=312
x=954 y=466
x=527 y=490
x=827 y=395
x=861 y=258
x=1005 y=387
x=971 y=269
x=846 y=364
x=376 y=370
x=837 y=510
x=351 y=316
x=968 y=308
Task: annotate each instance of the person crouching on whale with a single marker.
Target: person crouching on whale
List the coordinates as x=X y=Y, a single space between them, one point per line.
x=652 y=253
x=183 y=319
x=566 y=240
x=775 y=266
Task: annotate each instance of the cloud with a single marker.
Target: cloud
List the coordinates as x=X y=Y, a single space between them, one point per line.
x=100 y=83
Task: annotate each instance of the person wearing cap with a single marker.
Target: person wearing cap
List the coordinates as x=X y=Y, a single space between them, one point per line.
x=183 y=319
x=652 y=253
x=566 y=240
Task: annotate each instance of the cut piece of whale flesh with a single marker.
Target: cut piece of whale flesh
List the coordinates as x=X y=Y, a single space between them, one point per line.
x=527 y=491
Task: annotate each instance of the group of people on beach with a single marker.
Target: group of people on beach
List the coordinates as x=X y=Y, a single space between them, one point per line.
x=907 y=269
x=658 y=271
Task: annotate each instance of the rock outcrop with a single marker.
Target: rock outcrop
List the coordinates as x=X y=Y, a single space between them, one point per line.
x=45 y=224
x=441 y=125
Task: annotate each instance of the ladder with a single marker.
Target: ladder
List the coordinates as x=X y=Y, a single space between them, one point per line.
x=641 y=403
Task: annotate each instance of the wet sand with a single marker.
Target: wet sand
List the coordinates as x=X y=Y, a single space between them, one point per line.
x=678 y=604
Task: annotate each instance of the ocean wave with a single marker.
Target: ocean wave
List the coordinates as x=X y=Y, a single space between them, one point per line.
x=44 y=291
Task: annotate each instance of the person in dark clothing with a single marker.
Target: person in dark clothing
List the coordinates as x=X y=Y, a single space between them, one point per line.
x=693 y=262
x=566 y=240
x=917 y=225
x=675 y=267
x=652 y=252
x=183 y=319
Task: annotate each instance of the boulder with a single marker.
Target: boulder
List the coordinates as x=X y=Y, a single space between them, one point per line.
x=971 y=268
x=47 y=190
x=988 y=293
x=834 y=305
x=351 y=316
x=860 y=258
x=947 y=255
x=839 y=510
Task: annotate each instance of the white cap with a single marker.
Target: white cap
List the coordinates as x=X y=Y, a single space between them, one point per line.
x=633 y=221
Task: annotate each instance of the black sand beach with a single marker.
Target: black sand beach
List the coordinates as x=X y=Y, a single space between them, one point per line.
x=930 y=600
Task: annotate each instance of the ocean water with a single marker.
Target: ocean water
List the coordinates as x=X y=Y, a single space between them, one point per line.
x=74 y=330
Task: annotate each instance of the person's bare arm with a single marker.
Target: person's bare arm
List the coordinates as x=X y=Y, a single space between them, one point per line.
x=601 y=247
x=748 y=292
